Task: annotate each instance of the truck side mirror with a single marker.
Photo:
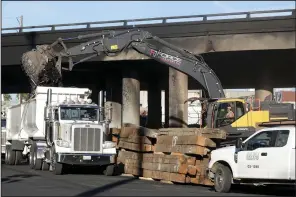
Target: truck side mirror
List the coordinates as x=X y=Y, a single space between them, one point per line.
x=239 y=143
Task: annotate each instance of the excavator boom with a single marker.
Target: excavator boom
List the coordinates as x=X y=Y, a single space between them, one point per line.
x=43 y=65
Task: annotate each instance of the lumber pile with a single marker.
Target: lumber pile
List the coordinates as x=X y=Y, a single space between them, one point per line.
x=178 y=155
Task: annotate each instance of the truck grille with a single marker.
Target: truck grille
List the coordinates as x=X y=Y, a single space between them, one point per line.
x=87 y=139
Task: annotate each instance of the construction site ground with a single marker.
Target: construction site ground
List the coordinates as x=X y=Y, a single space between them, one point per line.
x=22 y=181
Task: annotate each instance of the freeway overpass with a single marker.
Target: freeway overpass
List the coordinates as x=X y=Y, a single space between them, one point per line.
x=245 y=52
x=229 y=38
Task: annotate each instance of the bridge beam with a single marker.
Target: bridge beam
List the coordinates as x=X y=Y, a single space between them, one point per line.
x=130 y=97
x=176 y=111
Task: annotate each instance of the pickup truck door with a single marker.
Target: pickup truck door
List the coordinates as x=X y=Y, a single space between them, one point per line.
x=253 y=160
x=278 y=158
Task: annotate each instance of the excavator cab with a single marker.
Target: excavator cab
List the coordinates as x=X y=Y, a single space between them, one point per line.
x=227 y=111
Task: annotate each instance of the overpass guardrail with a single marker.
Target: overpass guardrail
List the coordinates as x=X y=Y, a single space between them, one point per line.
x=158 y=20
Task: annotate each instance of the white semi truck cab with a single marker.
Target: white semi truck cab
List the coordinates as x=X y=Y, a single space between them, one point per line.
x=266 y=157
x=59 y=127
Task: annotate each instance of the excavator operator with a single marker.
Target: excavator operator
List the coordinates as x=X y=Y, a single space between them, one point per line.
x=229 y=113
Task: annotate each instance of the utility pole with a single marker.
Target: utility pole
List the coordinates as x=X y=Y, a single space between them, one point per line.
x=21 y=22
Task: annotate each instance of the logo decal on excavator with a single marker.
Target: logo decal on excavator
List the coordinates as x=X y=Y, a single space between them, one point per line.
x=165 y=57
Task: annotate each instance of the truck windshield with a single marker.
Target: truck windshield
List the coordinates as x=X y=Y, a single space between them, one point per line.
x=79 y=113
x=3 y=123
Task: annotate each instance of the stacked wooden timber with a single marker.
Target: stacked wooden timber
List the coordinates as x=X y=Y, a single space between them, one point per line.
x=173 y=154
x=193 y=143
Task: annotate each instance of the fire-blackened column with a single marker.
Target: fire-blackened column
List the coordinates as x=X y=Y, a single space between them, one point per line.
x=178 y=93
x=114 y=99
x=130 y=97
x=154 y=105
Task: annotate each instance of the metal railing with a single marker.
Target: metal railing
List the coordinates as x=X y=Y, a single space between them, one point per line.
x=163 y=20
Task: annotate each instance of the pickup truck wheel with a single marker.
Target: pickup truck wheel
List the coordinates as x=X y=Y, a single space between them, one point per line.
x=109 y=170
x=222 y=180
x=18 y=157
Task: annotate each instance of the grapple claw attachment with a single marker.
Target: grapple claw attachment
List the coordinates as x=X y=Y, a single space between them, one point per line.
x=40 y=66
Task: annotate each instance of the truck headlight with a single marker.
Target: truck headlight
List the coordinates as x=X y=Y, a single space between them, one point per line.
x=109 y=144
x=63 y=143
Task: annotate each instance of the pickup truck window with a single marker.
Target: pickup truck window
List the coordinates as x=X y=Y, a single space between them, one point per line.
x=263 y=139
x=282 y=138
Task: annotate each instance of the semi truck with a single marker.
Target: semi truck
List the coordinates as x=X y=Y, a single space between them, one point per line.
x=58 y=127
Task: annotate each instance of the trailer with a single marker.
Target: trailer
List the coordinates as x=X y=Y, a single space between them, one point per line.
x=58 y=127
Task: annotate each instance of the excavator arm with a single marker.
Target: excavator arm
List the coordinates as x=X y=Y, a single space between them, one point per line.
x=46 y=59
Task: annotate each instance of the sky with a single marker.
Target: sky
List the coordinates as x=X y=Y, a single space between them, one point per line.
x=60 y=12
x=57 y=12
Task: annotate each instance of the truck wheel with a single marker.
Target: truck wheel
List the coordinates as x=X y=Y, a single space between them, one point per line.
x=38 y=163
x=222 y=180
x=18 y=157
x=109 y=170
x=6 y=154
x=45 y=166
x=32 y=159
x=57 y=169
x=10 y=156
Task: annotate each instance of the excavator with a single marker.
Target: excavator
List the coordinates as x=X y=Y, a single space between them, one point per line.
x=43 y=66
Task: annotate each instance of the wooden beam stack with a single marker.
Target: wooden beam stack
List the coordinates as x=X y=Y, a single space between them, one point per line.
x=174 y=154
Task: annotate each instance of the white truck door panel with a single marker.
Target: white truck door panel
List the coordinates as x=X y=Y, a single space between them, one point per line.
x=292 y=164
x=251 y=164
x=253 y=161
x=279 y=157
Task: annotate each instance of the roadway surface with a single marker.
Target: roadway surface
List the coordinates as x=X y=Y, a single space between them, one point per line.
x=22 y=181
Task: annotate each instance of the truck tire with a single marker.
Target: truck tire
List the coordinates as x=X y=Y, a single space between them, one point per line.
x=45 y=166
x=18 y=157
x=109 y=171
x=38 y=164
x=10 y=156
x=222 y=179
x=32 y=158
x=57 y=169
x=6 y=154
x=35 y=163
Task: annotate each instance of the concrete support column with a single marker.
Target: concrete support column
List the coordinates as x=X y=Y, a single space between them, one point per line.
x=264 y=89
x=177 y=94
x=130 y=98
x=154 y=105
x=114 y=100
x=94 y=95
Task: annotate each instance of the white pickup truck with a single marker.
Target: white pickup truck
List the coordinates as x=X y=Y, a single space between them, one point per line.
x=266 y=157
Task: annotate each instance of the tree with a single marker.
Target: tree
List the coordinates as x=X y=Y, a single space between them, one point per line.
x=25 y=96
x=7 y=97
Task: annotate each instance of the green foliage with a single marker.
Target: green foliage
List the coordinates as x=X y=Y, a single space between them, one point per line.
x=25 y=96
x=7 y=97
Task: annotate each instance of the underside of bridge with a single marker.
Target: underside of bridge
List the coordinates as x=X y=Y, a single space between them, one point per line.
x=242 y=69
x=123 y=80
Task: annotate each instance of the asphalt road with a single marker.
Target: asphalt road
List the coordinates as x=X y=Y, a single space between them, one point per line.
x=22 y=181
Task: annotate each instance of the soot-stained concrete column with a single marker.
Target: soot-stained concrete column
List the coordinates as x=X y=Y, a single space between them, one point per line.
x=94 y=94
x=263 y=88
x=130 y=97
x=178 y=93
x=114 y=100
x=154 y=105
